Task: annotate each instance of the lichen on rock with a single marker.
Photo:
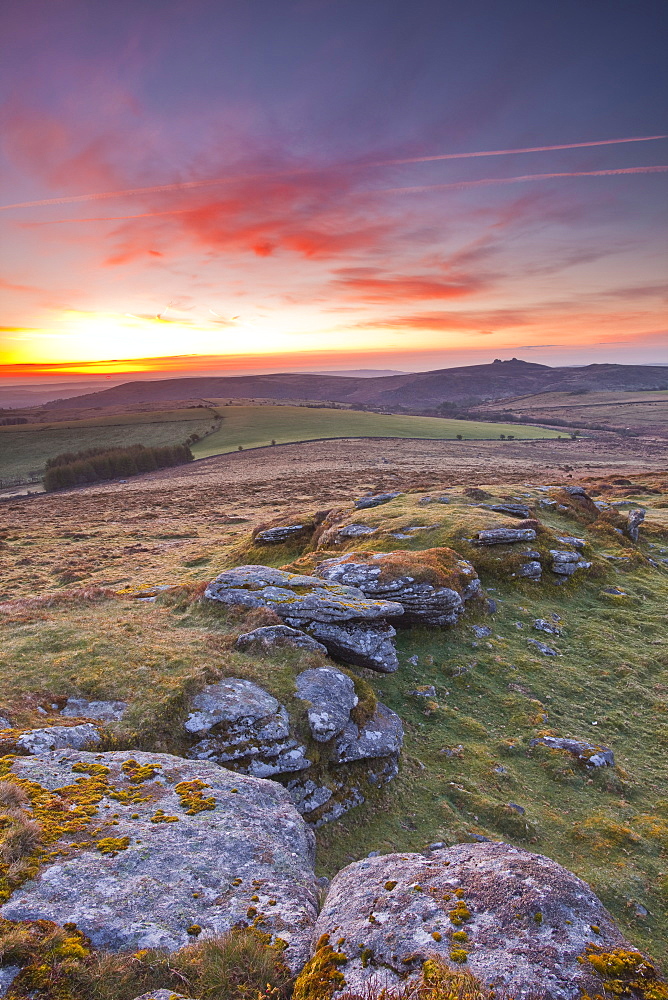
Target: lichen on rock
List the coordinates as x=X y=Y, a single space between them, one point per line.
x=518 y=921
x=353 y=628
x=203 y=869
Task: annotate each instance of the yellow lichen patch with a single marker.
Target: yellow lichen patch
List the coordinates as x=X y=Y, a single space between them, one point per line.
x=112 y=845
x=191 y=797
x=625 y=974
x=136 y=773
x=97 y=770
x=128 y=795
x=390 y=885
x=61 y=815
x=162 y=817
x=459 y=913
x=321 y=978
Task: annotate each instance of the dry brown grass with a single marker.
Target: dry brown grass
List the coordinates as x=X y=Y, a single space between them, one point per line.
x=58 y=964
x=22 y=607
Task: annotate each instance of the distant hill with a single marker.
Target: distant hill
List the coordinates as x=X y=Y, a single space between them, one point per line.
x=423 y=390
x=362 y=372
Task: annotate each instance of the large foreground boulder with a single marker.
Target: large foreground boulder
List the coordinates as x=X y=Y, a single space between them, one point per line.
x=518 y=921
x=353 y=628
x=144 y=850
x=431 y=585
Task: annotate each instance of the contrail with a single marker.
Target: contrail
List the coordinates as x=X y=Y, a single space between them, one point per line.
x=508 y=152
x=190 y=185
x=103 y=218
x=484 y=182
x=525 y=177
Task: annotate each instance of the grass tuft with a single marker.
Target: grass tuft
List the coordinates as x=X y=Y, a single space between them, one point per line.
x=58 y=964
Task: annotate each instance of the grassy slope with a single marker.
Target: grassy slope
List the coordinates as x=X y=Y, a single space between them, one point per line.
x=256 y=426
x=26 y=447
x=639 y=410
x=611 y=827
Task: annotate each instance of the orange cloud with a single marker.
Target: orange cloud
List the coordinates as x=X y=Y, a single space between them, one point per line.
x=366 y=284
x=476 y=321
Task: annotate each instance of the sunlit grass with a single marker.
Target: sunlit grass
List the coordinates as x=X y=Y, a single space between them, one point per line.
x=258 y=426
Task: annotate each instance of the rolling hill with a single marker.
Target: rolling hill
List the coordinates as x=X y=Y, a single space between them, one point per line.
x=499 y=380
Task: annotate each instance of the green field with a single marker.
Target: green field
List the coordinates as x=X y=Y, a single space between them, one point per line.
x=25 y=448
x=257 y=426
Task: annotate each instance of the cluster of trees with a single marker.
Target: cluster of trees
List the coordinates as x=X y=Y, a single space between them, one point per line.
x=7 y=421
x=95 y=464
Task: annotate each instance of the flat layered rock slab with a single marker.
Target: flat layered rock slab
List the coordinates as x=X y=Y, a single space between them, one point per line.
x=432 y=585
x=381 y=736
x=42 y=741
x=296 y=596
x=281 y=533
x=375 y=501
x=504 y=536
x=351 y=626
x=206 y=847
x=521 y=920
x=230 y=700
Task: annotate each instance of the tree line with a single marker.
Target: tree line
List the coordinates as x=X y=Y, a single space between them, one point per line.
x=96 y=464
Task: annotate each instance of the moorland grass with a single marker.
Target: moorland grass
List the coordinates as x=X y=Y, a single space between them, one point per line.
x=643 y=412
x=58 y=964
x=467 y=753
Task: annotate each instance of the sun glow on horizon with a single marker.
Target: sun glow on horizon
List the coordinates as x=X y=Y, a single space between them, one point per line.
x=117 y=342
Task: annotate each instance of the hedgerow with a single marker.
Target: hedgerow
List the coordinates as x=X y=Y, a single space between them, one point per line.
x=95 y=464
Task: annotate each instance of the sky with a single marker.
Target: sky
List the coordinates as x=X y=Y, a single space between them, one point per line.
x=235 y=185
